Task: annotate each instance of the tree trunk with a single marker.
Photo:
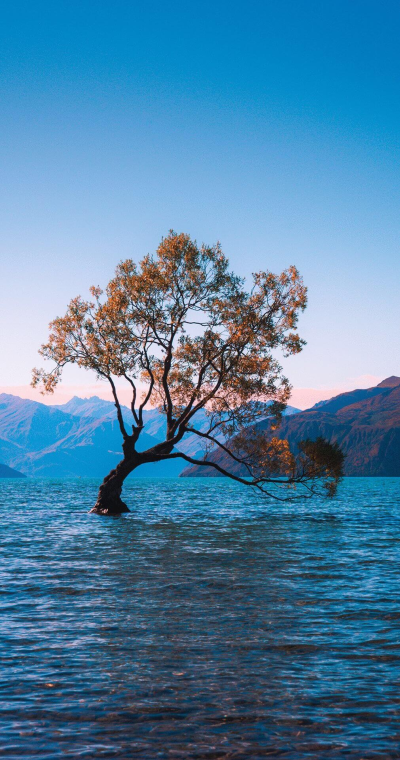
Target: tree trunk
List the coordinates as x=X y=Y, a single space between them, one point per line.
x=109 y=500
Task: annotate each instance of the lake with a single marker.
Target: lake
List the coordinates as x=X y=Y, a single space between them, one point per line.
x=208 y=623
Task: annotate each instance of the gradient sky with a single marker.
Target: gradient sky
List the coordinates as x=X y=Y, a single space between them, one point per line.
x=271 y=126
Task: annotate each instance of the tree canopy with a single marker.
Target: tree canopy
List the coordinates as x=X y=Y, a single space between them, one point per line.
x=183 y=327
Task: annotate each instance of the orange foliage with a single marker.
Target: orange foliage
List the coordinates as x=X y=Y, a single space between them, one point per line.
x=184 y=325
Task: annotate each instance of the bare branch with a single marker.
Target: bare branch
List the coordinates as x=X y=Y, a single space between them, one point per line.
x=118 y=407
x=133 y=402
x=221 y=446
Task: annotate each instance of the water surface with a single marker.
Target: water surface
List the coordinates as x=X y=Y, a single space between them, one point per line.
x=208 y=623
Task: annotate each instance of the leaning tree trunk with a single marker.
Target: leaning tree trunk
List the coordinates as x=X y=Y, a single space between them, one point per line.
x=109 y=500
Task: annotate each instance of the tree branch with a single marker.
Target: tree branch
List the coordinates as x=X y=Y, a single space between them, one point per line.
x=221 y=445
x=118 y=407
x=243 y=481
x=133 y=402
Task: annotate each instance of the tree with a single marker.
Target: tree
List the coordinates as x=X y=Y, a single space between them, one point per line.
x=181 y=325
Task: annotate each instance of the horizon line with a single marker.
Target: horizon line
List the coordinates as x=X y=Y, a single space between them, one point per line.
x=301 y=397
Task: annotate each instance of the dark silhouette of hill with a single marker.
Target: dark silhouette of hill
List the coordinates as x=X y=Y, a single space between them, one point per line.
x=8 y=472
x=365 y=423
x=390 y=382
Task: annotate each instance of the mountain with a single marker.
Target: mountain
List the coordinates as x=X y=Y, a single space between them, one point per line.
x=80 y=438
x=45 y=441
x=365 y=423
x=154 y=421
x=352 y=397
x=30 y=425
x=8 y=472
x=98 y=408
x=89 y=407
x=345 y=399
x=390 y=382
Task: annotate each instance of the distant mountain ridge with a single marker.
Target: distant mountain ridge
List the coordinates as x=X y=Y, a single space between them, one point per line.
x=155 y=423
x=365 y=423
x=45 y=441
x=80 y=438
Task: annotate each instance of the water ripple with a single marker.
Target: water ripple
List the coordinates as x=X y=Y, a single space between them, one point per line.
x=207 y=623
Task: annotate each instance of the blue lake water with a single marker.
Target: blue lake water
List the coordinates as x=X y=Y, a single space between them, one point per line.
x=208 y=623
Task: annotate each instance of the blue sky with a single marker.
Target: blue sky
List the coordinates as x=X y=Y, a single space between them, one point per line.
x=271 y=126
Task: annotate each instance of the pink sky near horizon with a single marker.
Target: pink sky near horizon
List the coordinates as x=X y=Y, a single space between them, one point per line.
x=303 y=398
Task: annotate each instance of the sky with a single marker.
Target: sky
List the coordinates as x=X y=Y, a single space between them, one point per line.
x=273 y=127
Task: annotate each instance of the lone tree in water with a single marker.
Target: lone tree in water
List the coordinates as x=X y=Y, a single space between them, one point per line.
x=182 y=326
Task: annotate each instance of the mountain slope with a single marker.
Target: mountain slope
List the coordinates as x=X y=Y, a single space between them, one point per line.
x=367 y=429
x=32 y=425
x=8 y=472
x=79 y=439
x=346 y=399
x=154 y=421
x=45 y=441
